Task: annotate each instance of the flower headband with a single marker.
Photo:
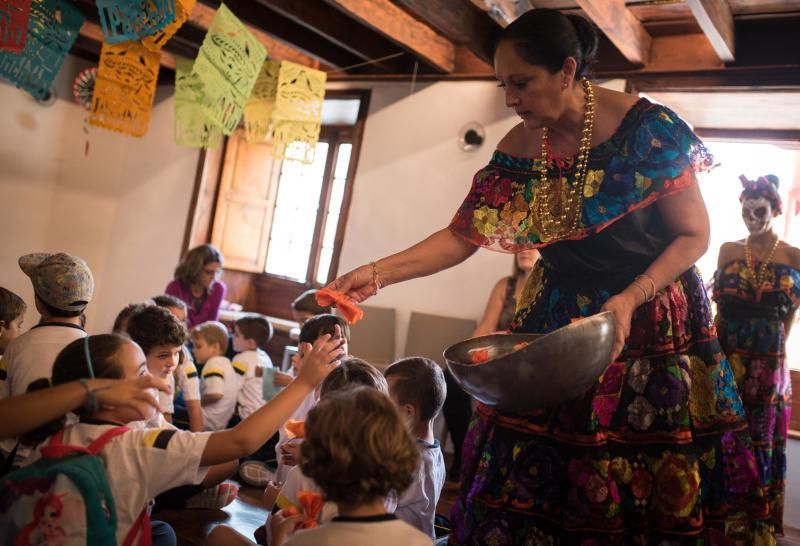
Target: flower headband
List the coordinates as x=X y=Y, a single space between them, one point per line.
x=763 y=186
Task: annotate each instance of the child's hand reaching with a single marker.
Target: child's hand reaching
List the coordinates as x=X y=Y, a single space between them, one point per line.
x=283 y=524
x=289 y=452
x=282 y=379
x=321 y=358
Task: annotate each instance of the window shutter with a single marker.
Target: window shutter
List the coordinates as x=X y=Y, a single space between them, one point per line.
x=248 y=189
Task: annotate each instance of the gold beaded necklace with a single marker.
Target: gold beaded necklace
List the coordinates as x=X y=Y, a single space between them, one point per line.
x=559 y=209
x=757 y=278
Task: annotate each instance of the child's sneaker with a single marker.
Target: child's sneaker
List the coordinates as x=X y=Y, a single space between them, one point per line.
x=255 y=473
x=214 y=498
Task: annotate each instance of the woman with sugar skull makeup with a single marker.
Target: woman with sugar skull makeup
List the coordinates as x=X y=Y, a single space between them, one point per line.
x=757 y=290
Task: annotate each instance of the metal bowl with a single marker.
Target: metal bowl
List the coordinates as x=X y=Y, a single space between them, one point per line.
x=551 y=369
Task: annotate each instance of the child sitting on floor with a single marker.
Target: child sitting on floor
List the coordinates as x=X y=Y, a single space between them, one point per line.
x=185 y=379
x=312 y=329
x=221 y=383
x=356 y=467
x=417 y=387
x=141 y=464
x=251 y=335
x=12 y=313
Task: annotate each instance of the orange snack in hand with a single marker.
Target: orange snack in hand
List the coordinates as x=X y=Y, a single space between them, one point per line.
x=295 y=428
x=312 y=504
x=479 y=356
x=349 y=309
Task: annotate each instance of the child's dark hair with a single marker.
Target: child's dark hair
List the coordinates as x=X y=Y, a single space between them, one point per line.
x=353 y=372
x=307 y=303
x=71 y=364
x=357 y=448
x=11 y=305
x=257 y=328
x=420 y=382
x=153 y=326
x=55 y=311
x=167 y=300
x=321 y=325
x=121 y=322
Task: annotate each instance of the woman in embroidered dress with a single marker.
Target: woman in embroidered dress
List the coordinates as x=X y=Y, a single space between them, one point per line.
x=757 y=290
x=658 y=451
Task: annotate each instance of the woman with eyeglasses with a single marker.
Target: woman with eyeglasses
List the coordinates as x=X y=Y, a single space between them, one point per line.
x=197 y=282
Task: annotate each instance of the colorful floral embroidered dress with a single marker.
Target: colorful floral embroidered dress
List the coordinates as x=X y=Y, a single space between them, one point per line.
x=752 y=336
x=658 y=452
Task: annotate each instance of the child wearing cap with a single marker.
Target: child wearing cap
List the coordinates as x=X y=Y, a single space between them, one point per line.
x=63 y=287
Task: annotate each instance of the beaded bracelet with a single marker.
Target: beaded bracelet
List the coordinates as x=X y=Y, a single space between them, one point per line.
x=375 y=279
x=652 y=283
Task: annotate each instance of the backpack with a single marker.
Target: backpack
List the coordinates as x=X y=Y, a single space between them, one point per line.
x=64 y=499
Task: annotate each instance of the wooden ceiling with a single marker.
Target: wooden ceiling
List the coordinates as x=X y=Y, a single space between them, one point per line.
x=654 y=44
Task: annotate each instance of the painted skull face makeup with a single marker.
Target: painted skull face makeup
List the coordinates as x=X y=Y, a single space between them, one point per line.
x=757 y=215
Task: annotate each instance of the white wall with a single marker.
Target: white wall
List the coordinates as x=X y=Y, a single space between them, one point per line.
x=411 y=178
x=122 y=208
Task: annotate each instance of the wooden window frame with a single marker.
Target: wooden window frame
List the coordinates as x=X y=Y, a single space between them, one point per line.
x=260 y=291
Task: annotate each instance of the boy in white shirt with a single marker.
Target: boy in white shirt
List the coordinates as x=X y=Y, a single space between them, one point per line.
x=250 y=338
x=185 y=377
x=417 y=386
x=63 y=286
x=12 y=313
x=221 y=384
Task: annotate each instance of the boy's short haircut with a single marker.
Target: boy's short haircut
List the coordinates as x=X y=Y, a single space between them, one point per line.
x=353 y=372
x=167 y=300
x=11 y=305
x=211 y=332
x=124 y=315
x=320 y=325
x=307 y=303
x=154 y=326
x=357 y=448
x=420 y=382
x=257 y=328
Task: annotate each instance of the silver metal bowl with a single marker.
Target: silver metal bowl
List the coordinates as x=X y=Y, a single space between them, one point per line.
x=551 y=369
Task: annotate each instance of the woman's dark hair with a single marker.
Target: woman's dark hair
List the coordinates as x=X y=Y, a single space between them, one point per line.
x=764 y=186
x=191 y=266
x=546 y=37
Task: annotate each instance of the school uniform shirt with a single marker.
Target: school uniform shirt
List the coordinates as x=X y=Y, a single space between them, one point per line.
x=251 y=395
x=187 y=378
x=166 y=401
x=417 y=505
x=384 y=529
x=219 y=377
x=30 y=357
x=141 y=464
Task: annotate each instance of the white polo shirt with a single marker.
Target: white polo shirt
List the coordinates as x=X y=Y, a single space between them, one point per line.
x=251 y=395
x=219 y=377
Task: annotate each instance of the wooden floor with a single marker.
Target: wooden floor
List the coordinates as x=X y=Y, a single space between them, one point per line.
x=247 y=513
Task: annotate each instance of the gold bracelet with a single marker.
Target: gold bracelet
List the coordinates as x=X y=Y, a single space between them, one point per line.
x=375 y=279
x=639 y=286
x=652 y=283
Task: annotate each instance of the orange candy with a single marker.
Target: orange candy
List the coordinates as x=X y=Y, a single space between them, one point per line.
x=479 y=356
x=295 y=428
x=522 y=345
x=349 y=309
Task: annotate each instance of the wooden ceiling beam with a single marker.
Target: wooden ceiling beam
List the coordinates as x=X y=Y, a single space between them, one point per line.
x=622 y=28
x=716 y=20
x=403 y=29
x=460 y=22
x=503 y=12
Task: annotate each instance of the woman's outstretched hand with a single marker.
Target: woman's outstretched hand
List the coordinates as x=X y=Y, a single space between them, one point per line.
x=622 y=306
x=358 y=285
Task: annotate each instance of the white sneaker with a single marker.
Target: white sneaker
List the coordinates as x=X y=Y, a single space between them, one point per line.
x=255 y=473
